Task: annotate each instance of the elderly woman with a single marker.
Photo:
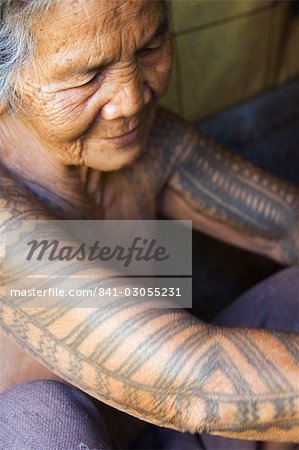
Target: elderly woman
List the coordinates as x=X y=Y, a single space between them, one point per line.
x=81 y=137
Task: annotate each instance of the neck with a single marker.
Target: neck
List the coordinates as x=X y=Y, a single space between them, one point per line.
x=66 y=190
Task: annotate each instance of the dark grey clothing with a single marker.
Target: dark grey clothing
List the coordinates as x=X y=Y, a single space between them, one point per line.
x=48 y=415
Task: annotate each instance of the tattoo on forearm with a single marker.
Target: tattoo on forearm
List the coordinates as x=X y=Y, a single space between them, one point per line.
x=232 y=191
x=244 y=383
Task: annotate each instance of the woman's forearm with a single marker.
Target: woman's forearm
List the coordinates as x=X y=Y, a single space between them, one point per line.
x=165 y=366
x=231 y=199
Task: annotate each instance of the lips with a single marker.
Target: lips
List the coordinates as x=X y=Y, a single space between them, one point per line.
x=125 y=138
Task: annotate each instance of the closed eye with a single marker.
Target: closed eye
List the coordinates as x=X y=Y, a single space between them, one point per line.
x=150 y=49
x=92 y=80
x=89 y=82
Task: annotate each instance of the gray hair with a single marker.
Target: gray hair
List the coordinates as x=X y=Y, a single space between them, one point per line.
x=16 y=41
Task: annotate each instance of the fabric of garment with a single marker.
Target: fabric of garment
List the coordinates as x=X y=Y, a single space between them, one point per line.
x=50 y=415
x=45 y=415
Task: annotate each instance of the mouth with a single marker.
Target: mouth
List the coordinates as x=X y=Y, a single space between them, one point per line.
x=126 y=138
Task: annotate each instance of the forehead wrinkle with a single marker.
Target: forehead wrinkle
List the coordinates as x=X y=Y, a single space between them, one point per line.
x=100 y=30
x=112 y=21
x=113 y=11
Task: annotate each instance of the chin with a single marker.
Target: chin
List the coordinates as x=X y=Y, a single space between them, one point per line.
x=112 y=159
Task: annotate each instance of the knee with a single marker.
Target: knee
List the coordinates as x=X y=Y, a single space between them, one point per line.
x=50 y=414
x=280 y=295
x=272 y=304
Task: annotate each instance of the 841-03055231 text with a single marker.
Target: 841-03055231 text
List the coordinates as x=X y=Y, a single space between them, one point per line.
x=92 y=263
x=100 y=292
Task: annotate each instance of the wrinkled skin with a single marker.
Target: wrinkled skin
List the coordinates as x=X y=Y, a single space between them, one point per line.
x=68 y=114
x=97 y=75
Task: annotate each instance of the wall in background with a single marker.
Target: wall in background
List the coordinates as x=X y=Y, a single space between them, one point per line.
x=227 y=51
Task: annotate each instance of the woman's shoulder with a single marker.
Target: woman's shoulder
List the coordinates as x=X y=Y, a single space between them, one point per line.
x=15 y=200
x=173 y=124
x=173 y=134
x=171 y=138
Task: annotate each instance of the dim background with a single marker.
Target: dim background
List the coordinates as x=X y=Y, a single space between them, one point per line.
x=229 y=51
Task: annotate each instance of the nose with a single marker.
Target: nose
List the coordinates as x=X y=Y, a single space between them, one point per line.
x=129 y=99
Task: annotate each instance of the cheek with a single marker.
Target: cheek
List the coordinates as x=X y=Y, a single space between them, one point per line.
x=62 y=116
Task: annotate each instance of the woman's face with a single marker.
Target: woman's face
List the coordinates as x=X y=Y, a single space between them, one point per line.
x=100 y=67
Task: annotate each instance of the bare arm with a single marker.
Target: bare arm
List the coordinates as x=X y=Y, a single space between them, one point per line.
x=166 y=367
x=163 y=365
x=233 y=200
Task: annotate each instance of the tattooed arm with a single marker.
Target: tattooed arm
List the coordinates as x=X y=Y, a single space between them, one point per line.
x=230 y=199
x=161 y=364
